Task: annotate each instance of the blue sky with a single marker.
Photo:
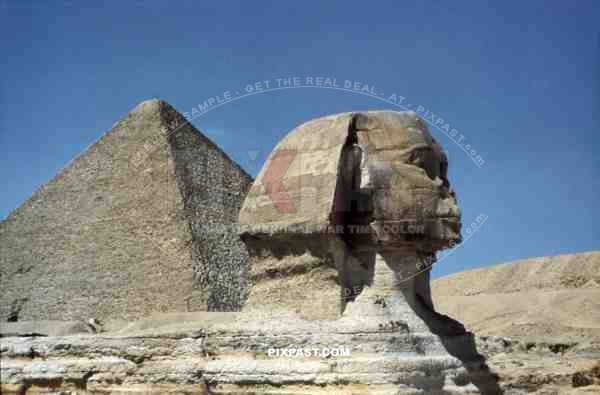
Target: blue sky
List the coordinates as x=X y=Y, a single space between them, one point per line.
x=518 y=79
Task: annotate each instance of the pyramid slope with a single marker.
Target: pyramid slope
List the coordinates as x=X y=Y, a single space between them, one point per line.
x=72 y=250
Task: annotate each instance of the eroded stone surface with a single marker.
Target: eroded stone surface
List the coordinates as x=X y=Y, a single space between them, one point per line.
x=362 y=187
x=227 y=353
x=381 y=172
x=44 y=328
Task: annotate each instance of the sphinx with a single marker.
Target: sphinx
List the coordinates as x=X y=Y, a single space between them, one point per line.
x=345 y=203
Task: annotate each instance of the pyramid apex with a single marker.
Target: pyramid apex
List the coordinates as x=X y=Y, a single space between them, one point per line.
x=153 y=104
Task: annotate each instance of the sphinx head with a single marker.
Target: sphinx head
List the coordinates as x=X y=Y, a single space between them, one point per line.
x=378 y=179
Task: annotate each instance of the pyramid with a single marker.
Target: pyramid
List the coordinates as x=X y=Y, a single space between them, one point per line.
x=137 y=224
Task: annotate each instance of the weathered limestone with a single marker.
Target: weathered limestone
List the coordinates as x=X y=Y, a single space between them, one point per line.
x=229 y=355
x=297 y=270
x=384 y=174
x=360 y=187
x=44 y=328
x=226 y=353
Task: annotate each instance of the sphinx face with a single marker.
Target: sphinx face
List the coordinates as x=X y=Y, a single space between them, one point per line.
x=405 y=171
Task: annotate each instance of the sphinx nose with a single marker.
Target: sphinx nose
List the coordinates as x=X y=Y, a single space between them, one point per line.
x=444 y=188
x=448 y=206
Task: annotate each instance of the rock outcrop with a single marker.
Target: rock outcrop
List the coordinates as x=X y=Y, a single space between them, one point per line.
x=553 y=298
x=44 y=328
x=227 y=353
x=538 y=320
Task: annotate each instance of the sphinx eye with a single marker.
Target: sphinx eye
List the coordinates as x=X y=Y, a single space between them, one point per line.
x=417 y=158
x=425 y=158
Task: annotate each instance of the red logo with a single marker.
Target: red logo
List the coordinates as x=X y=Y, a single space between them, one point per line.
x=272 y=180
